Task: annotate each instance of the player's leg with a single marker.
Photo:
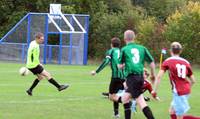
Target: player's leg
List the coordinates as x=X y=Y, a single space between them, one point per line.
x=179 y=106
x=190 y=117
x=116 y=84
x=179 y=117
x=126 y=99
x=137 y=84
x=36 y=71
x=144 y=107
x=106 y=94
x=114 y=98
x=172 y=113
x=52 y=81
x=34 y=84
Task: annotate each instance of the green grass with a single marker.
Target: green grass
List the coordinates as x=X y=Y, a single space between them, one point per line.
x=82 y=100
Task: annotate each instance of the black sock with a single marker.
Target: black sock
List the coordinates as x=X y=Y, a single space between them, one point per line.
x=35 y=82
x=52 y=81
x=116 y=108
x=120 y=100
x=127 y=111
x=147 y=112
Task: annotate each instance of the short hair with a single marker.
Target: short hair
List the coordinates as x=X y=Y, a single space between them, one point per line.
x=115 y=42
x=39 y=35
x=129 y=35
x=176 y=48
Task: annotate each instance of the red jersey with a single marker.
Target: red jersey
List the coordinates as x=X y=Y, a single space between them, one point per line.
x=179 y=69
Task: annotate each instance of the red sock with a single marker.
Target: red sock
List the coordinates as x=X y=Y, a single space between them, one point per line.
x=190 y=117
x=173 y=116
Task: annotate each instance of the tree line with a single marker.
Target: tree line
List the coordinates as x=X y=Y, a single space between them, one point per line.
x=157 y=23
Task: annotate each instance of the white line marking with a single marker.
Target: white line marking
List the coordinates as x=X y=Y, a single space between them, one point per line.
x=48 y=100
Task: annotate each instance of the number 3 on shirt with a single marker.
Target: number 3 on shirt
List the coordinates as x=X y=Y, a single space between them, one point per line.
x=181 y=70
x=136 y=56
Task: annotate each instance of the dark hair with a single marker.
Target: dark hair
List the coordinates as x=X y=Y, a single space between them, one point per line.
x=176 y=50
x=115 y=42
x=176 y=47
x=39 y=35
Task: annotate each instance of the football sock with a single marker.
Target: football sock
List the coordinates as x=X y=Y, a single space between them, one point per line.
x=173 y=116
x=52 y=81
x=35 y=82
x=116 y=108
x=120 y=100
x=190 y=117
x=127 y=111
x=147 y=112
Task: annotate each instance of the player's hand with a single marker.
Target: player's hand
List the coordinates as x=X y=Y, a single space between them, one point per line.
x=154 y=95
x=93 y=73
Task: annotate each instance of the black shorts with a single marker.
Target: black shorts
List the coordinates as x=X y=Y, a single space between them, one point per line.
x=135 y=84
x=116 y=84
x=37 y=70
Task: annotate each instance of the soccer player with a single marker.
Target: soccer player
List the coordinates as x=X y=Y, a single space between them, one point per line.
x=33 y=64
x=117 y=79
x=132 y=58
x=179 y=69
x=147 y=86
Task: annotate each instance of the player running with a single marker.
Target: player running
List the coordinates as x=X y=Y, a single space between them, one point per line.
x=132 y=58
x=179 y=69
x=117 y=79
x=33 y=64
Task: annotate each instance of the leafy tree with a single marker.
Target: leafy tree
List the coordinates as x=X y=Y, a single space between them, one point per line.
x=183 y=27
x=160 y=9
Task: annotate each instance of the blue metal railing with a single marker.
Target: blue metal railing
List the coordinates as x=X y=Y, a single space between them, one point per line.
x=24 y=46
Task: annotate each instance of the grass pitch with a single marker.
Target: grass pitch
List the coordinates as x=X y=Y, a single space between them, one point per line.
x=82 y=100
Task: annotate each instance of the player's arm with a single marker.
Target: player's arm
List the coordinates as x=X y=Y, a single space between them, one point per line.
x=103 y=64
x=158 y=79
x=190 y=75
x=152 y=69
x=192 y=79
x=150 y=60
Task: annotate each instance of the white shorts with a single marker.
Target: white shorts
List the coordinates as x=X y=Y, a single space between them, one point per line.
x=180 y=104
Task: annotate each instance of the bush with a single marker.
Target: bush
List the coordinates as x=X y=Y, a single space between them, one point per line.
x=183 y=27
x=105 y=25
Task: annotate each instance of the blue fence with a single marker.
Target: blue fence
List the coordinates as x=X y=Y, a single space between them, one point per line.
x=72 y=47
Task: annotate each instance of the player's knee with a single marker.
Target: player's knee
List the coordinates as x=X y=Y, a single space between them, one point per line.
x=46 y=74
x=40 y=77
x=171 y=111
x=125 y=99
x=112 y=97
x=141 y=102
